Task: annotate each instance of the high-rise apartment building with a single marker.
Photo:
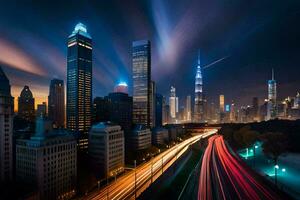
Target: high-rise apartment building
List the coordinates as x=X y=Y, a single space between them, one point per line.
x=152 y=104
x=188 y=108
x=79 y=84
x=141 y=73
x=41 y=109
x=173 y=103
x=158 y=110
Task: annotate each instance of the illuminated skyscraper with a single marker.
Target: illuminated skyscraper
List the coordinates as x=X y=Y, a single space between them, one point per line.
x=141 y=73
x=79 y=84
x=198 y=108
x=56 y=103
x=6 y=129
x=222 y=103
x=26 y=105
x=173 y=103
x=272 y=96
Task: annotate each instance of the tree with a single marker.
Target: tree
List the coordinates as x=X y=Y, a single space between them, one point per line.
x=245 y=137
x=274 y=145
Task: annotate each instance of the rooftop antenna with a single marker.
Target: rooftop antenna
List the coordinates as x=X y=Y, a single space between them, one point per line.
x=272 y=74
x=199 y=57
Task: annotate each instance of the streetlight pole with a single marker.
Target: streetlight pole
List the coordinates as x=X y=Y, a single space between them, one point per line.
x=276 y=171
x=134 y=179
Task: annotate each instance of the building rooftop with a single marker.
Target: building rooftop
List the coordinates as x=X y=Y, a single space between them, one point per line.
x=81 y=29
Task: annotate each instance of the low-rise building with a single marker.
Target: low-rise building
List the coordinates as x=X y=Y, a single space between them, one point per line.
x=106 y=149
x=159 y=136
x=140 y=138
x=48 y=162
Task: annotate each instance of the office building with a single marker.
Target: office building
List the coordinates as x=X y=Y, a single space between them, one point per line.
x=121 y=87
x=141 y=73
x=152 y=104
x=26 y=105
x=188 y=109
x=120 y=112
x=6 y=129
x=41 y=109
x=166 y=113
x=272 y=98
x=79 y=84
x=221 y=108
x=106 y=149
x=56 y=103
x=158 y=110
x=100 y=110
x=173 y=103
x=140 y=138
x=48 y=161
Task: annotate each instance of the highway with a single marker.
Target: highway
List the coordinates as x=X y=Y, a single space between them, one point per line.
x=224 y=176
x=136 y=181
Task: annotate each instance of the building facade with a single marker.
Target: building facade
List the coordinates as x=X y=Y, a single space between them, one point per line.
x=106 y=149
x=159 y=136
x=158 y=110
x=140 y=138
x=141 y=73
x=48 y=161
x=6 y=129
x=56 y=103
x=79 y=84
x=26 y=105
x=188 y=108
x=173 y=103
x=41 y=109
x=199 y=106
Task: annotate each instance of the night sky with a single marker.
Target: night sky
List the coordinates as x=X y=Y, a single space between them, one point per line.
x=252 y=36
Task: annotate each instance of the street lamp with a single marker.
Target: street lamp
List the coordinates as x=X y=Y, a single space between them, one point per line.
x=283 y=170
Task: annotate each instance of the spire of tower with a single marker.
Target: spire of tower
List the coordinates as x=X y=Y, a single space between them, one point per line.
x=273 y=74
x=199 y=57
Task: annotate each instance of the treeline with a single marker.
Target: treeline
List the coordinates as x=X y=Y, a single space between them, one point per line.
x=243 y=135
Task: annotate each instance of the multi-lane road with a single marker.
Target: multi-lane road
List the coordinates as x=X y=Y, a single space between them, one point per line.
x=136 y=181
x=224 y=176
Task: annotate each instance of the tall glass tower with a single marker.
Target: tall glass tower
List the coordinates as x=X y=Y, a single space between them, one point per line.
x=141 y=73
x=198 y=109
x=272 y=96
x=79 y=84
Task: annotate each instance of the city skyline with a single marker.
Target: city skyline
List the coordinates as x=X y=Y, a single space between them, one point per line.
x=112 y=54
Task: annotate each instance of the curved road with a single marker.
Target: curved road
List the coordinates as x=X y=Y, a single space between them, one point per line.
x=138 y=180
x=224 y=176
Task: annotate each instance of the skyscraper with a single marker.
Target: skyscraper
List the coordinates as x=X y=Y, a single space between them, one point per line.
x=152 y=104
x=158 y=110
x=41 y=109
x=198 y=109
x=172 y=103
x=272 y=96
x=26 y=105
x=6 y=129
x=56 y=103
x=141 y=73
x=222 y=103
x=79 y=84
x=188 y=108
x=222 y=108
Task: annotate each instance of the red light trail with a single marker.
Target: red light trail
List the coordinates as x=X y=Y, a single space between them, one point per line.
x=224 y=176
